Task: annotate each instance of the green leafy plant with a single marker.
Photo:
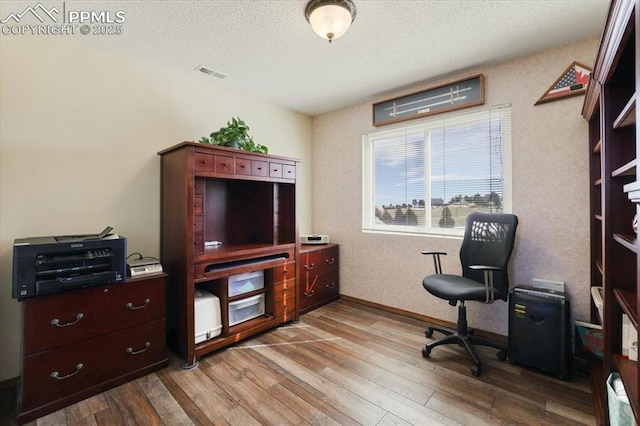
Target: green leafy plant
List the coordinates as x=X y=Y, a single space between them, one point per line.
x=234 y=135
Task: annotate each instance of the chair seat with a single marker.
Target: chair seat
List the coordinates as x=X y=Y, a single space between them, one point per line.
x=453 y=288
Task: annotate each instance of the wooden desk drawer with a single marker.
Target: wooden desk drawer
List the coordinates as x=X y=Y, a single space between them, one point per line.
x=203 y=162
x=318 y=291
x=285 y=299
x=243 y=166
x=198 y=186
x=275 y=170
x=65 y=318
x=224 y=164
x=198 y=208
x=284 y=272
x=198 y=221
x=259 y=168
x=288 y=171
x=51 y=375
x=58 y=320
x=133 y=303
x=319 y=261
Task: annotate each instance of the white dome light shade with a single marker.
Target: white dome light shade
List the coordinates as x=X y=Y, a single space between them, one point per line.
x=330 y=19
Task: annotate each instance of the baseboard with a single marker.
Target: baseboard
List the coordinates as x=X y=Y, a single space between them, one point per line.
x=489 y=335
x=10 y=383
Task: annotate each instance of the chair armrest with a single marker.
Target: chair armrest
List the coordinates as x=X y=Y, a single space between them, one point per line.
x=488 y=280
x=436 y=259
x=484 y=268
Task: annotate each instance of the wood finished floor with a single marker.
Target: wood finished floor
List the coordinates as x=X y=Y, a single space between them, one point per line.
x=341 y=364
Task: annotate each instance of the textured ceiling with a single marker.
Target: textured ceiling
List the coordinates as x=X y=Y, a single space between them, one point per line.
x=268 y=50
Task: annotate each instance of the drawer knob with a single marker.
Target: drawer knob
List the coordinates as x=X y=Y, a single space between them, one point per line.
x=331 y=261
x=57 y=376
x=56 y=321
x=132 y=352
x=135 y=308
x=332 y=285
x=309 y=293
x=309 y=267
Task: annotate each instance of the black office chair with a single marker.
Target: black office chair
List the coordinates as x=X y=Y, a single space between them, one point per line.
x=485 y=252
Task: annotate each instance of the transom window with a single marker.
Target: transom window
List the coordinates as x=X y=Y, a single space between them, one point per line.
x=426 y=178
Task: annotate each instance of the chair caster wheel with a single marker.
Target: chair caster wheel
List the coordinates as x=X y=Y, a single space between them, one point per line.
x=426 y=351
x=502 y=355
x=475 y=370
x=428 y=332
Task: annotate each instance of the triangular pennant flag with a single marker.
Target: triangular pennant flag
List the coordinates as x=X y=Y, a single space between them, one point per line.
x=572 y=82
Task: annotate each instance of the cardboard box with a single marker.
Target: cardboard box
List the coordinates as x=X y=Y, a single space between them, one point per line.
x=588 y=340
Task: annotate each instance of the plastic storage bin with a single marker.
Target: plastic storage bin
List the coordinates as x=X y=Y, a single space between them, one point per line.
x=246 y=309
x=245 y=283
x=620 y=413
x=207 y=315
x=596 y=295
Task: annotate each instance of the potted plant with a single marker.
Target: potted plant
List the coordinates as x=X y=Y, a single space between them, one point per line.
x=234 y=135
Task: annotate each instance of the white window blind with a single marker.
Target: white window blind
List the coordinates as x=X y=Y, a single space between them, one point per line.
x=427 y=177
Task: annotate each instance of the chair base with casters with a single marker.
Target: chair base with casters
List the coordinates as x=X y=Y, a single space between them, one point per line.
x=484 y=255
x=465 y=337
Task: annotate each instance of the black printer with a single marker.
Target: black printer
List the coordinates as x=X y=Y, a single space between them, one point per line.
x=47 y=265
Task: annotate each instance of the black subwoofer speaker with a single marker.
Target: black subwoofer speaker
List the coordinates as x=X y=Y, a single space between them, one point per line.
x=540 y=330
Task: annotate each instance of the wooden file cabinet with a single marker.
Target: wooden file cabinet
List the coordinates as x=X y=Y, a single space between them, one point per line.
x=319 y=279
x=83 y=342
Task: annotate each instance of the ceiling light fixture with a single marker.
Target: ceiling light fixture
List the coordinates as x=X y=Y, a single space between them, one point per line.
x=330 y=19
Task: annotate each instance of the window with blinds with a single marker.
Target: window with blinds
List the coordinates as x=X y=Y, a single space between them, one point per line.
x=426 y=178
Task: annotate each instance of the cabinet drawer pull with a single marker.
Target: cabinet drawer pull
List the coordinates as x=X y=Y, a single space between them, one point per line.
x=309 y=267
x=132 y=352
x=134 y=308
x=57 y=376
x=310 y=293
x=332 y=285
x=330 y=261
x=56 y=321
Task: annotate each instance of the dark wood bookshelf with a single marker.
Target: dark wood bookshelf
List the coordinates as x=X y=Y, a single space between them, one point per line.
x=610 y=109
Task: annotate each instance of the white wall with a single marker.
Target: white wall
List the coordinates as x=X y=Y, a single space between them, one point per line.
x=79 y=133
x=550 y=187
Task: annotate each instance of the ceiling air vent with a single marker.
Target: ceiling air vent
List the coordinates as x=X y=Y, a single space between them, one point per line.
x=212 y=73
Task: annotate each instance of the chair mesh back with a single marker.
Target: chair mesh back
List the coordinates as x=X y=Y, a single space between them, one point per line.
x=488 y=240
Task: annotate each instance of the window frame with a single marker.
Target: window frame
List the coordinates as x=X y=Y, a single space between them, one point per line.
x=369 y=224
